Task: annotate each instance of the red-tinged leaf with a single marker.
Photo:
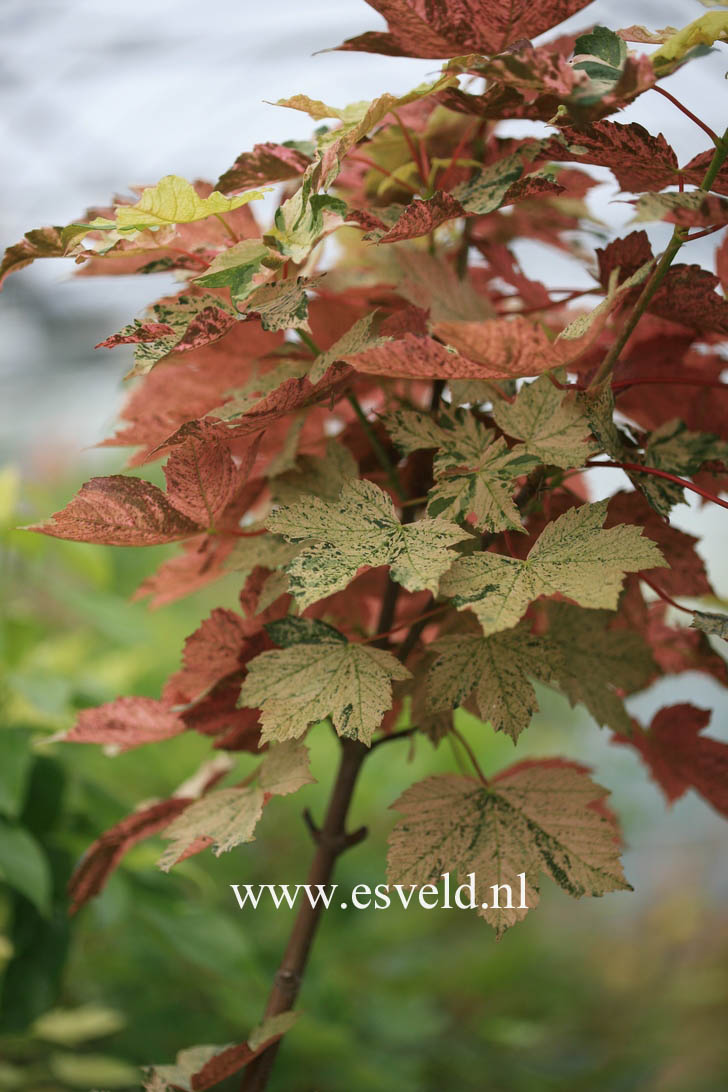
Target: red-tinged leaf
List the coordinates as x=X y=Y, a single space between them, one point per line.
x=202 y=476
x=695 y=209
x=42 y=243
x=422 y=217
x=500 y=348
x=104 y=855
x=447 y=28
x=266 y=163
x=208 y=325
x=219 y=647
x=677 y=649
x=638 y=160
x=217 y=715
x=687 y=295
x=145 y=331
x=119 y=511
x=721 y=264
x=538 y=83
x=231 y=1059
x=415 y=357
x=679 y=758
x=686 y=574
x=126 y=723
x=694 y=172
x=201 y=562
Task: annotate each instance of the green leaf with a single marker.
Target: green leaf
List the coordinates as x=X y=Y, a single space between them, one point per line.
x=16 y=759
x=299 y=221
x=573 y=556
x=497 y=670
x=550 y=423
x=24 y=866
x=301 y=685
x=605 y=54
x=291 y=630
x=360 y=529
x=475 y=470
x=236 y=267
x=72 y=1026
x=537 y=816
x=93 y=1071
x=172 y=201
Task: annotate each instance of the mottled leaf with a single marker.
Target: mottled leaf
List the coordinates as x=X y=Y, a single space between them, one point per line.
x=712 y=623
x=573 y=556
x=550 y=423
x=537 y=816
x=359 y=529
x=306 y=682
x=497 y=670
x=119 y=511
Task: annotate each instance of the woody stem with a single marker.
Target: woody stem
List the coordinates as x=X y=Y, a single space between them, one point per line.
x=659 y=273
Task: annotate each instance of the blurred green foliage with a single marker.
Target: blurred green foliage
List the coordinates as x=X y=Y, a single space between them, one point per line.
x=607 y=996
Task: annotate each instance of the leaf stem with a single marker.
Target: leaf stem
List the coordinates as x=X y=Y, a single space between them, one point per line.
x=640 y=469
x=377 y=447
x=471 y=755
x=688 y=113
x=664 y=596
x=659 y=273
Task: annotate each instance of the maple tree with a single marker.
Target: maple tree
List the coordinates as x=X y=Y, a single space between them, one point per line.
x=392 y=447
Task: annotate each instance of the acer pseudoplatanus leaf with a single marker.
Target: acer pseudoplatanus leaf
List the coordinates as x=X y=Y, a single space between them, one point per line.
x=385 y=434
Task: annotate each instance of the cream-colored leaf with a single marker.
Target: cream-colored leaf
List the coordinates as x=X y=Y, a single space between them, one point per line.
x=538 y=816
x=300 y=685
x=475 y=471
x=498 y=670
x=574 y=556
x=598 y=665
x=227 y=817
x=550 y=423
x=325 y=476
x=360 y=529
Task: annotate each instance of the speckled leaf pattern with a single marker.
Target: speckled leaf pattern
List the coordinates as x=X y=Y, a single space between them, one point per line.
x=282 y=305
x=360 y=529
x=573 y=556
x=498 y=669
x=362 y=335
x=475 y=470
x=537 y=816
x=119 y=511
x=550 y=423
x=711 y=622
x=226 y=817
x=678 y=450
x=297 y=686
x=446 y=28
x=598 y=664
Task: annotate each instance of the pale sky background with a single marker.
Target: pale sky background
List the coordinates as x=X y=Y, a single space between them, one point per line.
x=95 y=96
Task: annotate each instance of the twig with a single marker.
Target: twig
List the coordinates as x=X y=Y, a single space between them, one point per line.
x=659 y=273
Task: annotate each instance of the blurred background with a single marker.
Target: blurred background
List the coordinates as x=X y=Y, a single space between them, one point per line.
x=626 y=993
